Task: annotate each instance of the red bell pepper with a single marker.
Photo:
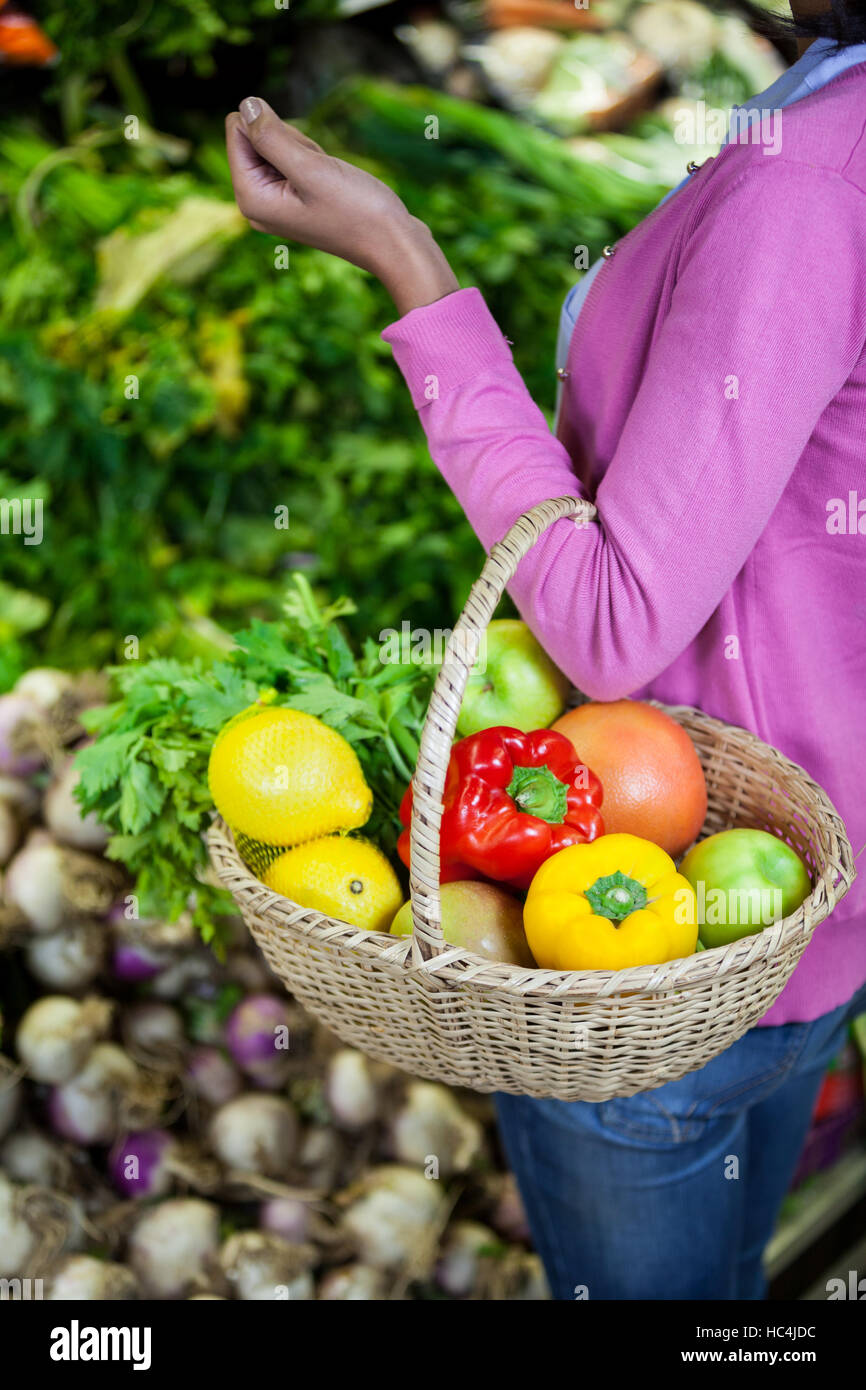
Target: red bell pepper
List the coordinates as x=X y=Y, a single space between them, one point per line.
x=511 y=800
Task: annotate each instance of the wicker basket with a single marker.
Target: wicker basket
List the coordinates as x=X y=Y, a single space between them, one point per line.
x=440 y=1012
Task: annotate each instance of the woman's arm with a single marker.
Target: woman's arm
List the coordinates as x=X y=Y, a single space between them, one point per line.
x=286 y=184
x=767 y=321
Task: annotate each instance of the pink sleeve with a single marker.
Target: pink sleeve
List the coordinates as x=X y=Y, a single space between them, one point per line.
x=771 y=293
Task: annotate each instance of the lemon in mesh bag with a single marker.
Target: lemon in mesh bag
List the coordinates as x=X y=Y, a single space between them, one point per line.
x=280 y=777
x=341 y=876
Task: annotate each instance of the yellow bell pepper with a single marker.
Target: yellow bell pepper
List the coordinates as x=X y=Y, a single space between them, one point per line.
x=615 y=902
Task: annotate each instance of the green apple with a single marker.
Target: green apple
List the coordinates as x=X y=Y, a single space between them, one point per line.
x=484 y=919
x=744 y=880
x=519 y=686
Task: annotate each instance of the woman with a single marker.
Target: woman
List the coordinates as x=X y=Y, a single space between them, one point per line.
x=714 y=407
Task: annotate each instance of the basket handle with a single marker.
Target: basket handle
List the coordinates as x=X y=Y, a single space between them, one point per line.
x=440 y=724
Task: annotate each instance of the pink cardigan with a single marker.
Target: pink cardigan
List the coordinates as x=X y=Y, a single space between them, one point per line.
x=715 y=410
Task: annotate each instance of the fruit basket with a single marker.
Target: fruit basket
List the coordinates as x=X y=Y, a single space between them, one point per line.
x=440 y=1012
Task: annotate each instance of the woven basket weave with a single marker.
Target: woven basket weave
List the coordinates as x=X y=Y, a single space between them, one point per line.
x=440 y=1012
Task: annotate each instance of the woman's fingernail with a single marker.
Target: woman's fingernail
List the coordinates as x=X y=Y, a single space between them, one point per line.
x=251 y=109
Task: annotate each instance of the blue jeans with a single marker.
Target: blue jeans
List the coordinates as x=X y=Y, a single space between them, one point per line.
x=673 y=1193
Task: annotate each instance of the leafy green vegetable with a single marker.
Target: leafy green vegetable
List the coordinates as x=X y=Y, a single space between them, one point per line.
x=146 y=772
x=101 y=39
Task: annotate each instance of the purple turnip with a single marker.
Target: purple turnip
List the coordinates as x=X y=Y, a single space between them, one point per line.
x=261 y=1266
x=185 y=975
x=257 y=1036
x=31 y=1157
x=460 y=1268
x=22 y=796
x=69 y=959
x=432 y=1124
x=135 y=963
x=154 y=932
x=24 y=736
x=83 y=1279
x=322 y=1154
x=56 y=1035
x=174 y=1245
x=353 y=1283
x=49 y=883
x=211 y=1076
x=139 y=1165
x=64 y=817
x=351 y=1090
x=287 y=1217
x=393 y=1218
x=508 y=1215
x=154 y=1034
x=44 y=686
x=255 y=1134
x=92 y=1108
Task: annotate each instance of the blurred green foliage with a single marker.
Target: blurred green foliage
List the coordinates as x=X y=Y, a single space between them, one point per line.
x=89 y=32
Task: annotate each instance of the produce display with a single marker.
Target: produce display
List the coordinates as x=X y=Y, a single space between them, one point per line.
x=194 y=421
x=604 y=74
x=205 y=427
x=838 y=1114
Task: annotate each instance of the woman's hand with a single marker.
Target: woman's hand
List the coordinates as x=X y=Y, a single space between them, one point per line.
x=287 y=185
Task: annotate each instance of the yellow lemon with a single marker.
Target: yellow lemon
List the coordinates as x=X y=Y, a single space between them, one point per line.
x=341 y=877
x=282 y=777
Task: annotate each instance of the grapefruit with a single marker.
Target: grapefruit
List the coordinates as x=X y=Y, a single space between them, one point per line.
x=653 y=781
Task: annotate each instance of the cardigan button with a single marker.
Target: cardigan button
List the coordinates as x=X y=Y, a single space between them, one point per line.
x=692 y=167
x=562 y=374
x=608 y=251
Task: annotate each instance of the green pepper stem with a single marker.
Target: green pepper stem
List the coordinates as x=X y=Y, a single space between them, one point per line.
x=616 y=896
x=539 y=792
